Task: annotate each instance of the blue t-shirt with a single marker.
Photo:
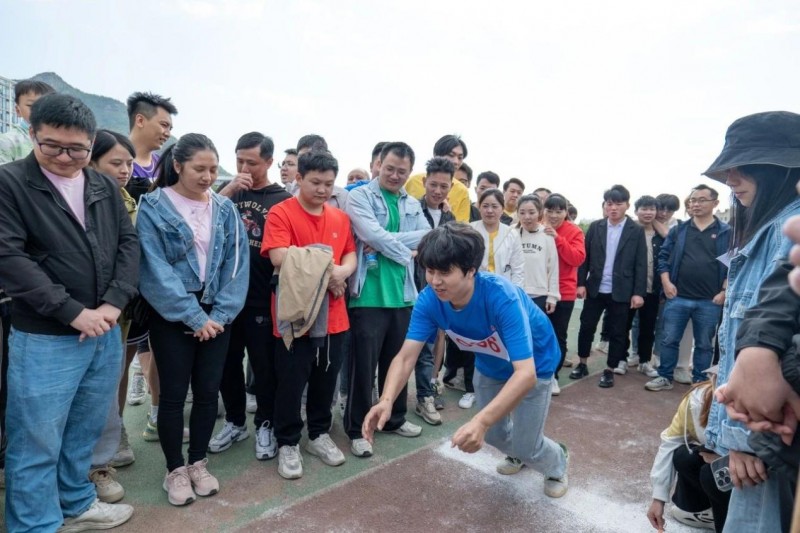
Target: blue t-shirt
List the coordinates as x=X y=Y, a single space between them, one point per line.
x=500 y=324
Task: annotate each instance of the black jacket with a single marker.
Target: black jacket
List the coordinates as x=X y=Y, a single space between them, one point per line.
x=629 y=277
x=50 y=265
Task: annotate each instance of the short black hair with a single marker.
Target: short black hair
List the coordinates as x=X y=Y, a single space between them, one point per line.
x=446 y=144
x=455 y=244
x=316 y=143
x=557 y=201
x=400 y=149
x=616 y=194
x=515 y=181
x=147 y=104
x=711 y=191
x=497 y=196
x=545 y=189
x=62 y=111
x=645 y=201
x=321 y=161
x=440 y=164
x=105 y=140
x=253 y=139
x=376 y=152
x=36 y=87
x=670 y=202
x=489 y=176
x=290 y=151
x=466 y=169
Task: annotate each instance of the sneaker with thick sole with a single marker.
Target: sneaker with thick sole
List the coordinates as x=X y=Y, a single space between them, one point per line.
x=633 y=360
x=648 y=370
x=108 y=489
x=150 y=433
x=467 y=400
x=290 y=463
x=426 y=409
x=622 y=368
x=555 y=390
x=557 y=487
x=408 y=430
x=266 y=445
x=682 y=375
x=580 y=371
x=251 y=405
x=137 y=389
x=702 y=519
x=510 y=466
x=179 y=487
x=100 y=515
x=606 y=379
x=124 y=455
x=361 y=448
x=324 y=448
x=659 y=383
x=601 y=346
x=226 y=436
x=203 y=483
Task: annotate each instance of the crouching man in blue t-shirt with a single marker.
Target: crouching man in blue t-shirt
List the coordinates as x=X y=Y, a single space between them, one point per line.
x=515 y=347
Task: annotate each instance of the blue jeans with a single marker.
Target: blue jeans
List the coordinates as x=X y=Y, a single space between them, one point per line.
x=754 y=509
x=59 y=392
x=705 y=316
x=423 y=372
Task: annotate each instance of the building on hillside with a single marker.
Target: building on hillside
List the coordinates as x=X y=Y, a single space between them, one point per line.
x=724 y=214
x=8 y=116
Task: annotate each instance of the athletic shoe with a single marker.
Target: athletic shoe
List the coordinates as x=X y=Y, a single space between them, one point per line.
x=108 y=489
x=568 y=362
x=601 y=346
x=266 y=446
x=229 y=434
x=622 y=368
x=648 y=370
x=427 y=410
x=150 y=433
x=682 y=375
x=179 y=487
x=408 y=430
x=438 y=399
x=203 y=483
x=633 y=359
x=457 y=383
x=555 y=390
x=137 y=389
x=251 y=405
x=124 y=455
x=557 y=487
x=580 y=371
x=467 y=400
x=99 y=516
x=659 y=383
x=510 y=466
x=702 y=519
x=324 y=448
x=290 y=463
x=361 y=448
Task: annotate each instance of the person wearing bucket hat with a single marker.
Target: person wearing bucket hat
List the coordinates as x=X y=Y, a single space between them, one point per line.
x=760 y=162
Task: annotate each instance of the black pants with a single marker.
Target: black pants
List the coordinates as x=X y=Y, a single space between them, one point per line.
x=648 y=314
x=294 y=368
x=560 y=321
x=456 y=358
x=617 y=320
x=252 y=330
x=376 y=335
x=695 y=489
x=181 y=357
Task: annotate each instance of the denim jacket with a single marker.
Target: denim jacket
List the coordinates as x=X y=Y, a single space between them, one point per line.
x=748 y=270
x=669 y=258
x=368 y=215
x=169 y=267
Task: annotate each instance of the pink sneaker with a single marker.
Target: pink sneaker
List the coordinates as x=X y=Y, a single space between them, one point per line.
x=179 y=487
x=204 y=483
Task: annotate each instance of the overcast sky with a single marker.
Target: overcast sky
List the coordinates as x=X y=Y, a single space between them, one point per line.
x=573 y=96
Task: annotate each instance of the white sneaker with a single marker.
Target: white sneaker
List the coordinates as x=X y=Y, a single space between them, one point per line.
x=657 y=384
x=107 y=488
x=556 y=488
x=99 y=516
x=427 y=410
x=622 y=368
x=457 y=383
x=361 y=448
x=137 y=389
x=633 y=359
x=682 y=375
x=601 y=346
x=703 y=519
x=408 y=430
x=324 y=448
x=266 y=446
x=467 y=400
x=555 y=390
x=648 y=370
x=251 y=404
x=510 y=466
x=290 y=463
x=226 y=437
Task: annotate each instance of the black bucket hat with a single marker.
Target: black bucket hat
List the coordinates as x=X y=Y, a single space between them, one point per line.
x=771 y=138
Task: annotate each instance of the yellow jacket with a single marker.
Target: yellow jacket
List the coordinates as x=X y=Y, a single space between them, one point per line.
x=458 y=197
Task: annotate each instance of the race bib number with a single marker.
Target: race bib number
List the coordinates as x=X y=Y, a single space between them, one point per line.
x=491 y=345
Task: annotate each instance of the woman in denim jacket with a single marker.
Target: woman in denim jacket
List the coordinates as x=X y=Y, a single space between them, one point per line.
x=194 y=273
x=761 y=164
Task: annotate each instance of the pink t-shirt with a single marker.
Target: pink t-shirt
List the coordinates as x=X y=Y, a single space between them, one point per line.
x=198 y=216
x=71 y=190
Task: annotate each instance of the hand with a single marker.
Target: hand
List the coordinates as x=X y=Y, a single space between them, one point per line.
x=338 y=281
x=656 y=515
x=110 y=313
x=469 y=437
x=369 y=249
x=709 y=457
x=549 y=307
x=548 y=230
x=792 y=230
x=376 y=419
x=636 y=302
x=670 y=290
x=209 y=330
x=242 y=182
x=719 y=298
x=91 y=323
x=446 y=206
x=581 y=293
x=746 y=470
x=786 y=429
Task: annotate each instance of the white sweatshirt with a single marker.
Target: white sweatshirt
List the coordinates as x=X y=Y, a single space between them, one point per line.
x=541 y=264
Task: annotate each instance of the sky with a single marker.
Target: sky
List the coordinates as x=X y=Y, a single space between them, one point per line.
x=574 y=96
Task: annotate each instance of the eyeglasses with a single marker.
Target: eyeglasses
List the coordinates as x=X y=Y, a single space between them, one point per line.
x=701 y=201
x=55 y=150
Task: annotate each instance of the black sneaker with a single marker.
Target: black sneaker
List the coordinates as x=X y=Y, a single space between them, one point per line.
x=581 y=371
x=607 y=379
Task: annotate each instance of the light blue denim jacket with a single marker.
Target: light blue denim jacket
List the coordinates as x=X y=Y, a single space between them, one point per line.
x=169 y=267
x=746 y=273
x=369 y=215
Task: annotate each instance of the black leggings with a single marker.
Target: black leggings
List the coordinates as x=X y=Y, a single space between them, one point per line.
x=560 y=320
x=180 y=358
x=695 y=489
